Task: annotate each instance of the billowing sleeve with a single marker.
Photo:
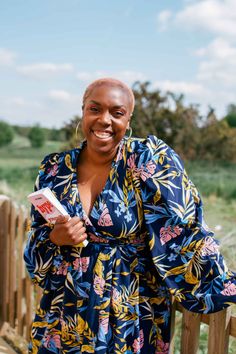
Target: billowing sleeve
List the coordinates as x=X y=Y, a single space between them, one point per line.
x=183 y=250
x=40 y=252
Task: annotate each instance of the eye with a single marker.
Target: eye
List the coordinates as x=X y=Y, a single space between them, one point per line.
x=118 y=113
x=94 y=109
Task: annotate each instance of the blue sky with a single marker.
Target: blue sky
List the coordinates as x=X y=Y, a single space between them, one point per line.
x=50 y=50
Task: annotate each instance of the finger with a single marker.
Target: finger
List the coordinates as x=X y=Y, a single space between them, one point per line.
x=75 y=221
x=78 y=230
x=78 y=242
x=62 y=219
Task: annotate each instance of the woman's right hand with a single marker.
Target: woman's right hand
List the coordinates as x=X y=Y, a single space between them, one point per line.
x=68 y=231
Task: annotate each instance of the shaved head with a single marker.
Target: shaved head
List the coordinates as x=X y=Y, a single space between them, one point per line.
x=113 y=83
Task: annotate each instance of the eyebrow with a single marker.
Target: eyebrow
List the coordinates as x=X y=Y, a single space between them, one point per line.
x=99 y=104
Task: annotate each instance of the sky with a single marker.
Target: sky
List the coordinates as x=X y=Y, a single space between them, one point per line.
x=50 y=50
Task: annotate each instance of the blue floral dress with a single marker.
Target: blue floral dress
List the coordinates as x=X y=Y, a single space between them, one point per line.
x=147 y=241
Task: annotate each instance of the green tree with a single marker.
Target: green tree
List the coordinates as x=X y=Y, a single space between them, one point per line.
x=36 y=136
x=230 y=118
x=6 y=133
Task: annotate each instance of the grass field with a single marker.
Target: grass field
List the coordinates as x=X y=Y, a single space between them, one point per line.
x=216 y=183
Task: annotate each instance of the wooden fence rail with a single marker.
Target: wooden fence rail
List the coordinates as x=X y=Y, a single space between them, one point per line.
x=19 y=297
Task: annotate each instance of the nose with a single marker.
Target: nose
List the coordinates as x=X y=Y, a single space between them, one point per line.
x=105 y=117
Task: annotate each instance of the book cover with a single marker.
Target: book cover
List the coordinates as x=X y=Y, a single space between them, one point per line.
x=49 y=207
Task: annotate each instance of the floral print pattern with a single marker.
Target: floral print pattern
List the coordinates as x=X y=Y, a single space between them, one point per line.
x=147 y=242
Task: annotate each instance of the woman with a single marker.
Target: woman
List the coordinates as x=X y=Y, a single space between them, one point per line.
x=147 y=240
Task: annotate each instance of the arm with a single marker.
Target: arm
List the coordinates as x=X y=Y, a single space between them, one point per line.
x=183 y=250
x=40 y=251
x=43 y=254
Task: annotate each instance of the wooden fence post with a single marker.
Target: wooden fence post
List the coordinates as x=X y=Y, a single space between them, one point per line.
x=4 y=255
x=172 y=326
x=219 y=326
x=20 y=280
x=190 y=332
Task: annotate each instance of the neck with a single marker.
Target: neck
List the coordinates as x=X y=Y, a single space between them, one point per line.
x=99 y=159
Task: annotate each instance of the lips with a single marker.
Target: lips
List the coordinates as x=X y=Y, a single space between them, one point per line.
x=102 y=134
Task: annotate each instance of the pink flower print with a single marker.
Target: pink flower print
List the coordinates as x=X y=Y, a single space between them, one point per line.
x=138 y=343
x=230 y=289
x=52 y=341
x=144 y=175
x=209 y=247
x=62 y=269
x=105 y=218
x=52 y=171
x=81 y=263
x=115 y=296
x=104 y=322
x=84 y=263
x=131 y=161
x=98 y=285
x=95 y=238
x=76 y=264
x=151 y=167
x=167 y=233
x=162 y=347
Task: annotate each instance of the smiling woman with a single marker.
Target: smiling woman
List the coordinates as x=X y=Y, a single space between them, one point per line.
x=133 y=201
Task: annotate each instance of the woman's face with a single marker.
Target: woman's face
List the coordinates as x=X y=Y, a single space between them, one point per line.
x=106 y=116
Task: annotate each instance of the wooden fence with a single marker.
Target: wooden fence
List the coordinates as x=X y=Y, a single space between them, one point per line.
x=18 y=296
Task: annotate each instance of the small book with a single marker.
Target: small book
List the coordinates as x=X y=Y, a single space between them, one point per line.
x=49 y=207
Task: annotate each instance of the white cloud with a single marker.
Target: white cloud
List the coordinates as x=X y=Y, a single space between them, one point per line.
x=219 y=63
x=163 y=19
x=63 y=96
x=46 y=111
x=215 y=16
x=43 y=70
x=128 y=76
x=7 y=57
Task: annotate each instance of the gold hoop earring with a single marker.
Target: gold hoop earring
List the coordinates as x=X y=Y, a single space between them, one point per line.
x=77 y=128
x=130 y=131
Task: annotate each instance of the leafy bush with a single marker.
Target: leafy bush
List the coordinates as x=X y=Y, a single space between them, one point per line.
x=6 y=134
x=36 y=136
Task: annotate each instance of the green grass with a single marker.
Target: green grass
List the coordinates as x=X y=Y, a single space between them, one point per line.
x=19 y=164
x=213 y=178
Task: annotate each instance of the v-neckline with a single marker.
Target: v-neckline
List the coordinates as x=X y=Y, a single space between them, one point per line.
x=113 y=167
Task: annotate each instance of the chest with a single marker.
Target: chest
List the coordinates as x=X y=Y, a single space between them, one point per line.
x=90 y=184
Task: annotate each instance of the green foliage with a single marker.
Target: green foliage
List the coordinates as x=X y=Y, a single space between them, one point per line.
x=6 y=134
x=36 y=136
x=231 y=119
x=181 y=126
x=49 y=133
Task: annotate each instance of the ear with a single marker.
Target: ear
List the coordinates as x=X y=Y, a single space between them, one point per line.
x=128 y=124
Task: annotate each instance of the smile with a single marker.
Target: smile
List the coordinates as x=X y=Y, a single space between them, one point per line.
x=101 y=134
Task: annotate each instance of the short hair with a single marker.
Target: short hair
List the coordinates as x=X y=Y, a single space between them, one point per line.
x=111 y=82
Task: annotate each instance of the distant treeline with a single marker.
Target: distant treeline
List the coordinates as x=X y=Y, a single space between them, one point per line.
x=167 y=116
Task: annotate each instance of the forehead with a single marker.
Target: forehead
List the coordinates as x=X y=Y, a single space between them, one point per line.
x=109 y=94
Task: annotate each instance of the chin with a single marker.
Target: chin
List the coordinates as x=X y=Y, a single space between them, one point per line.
x=103 y=145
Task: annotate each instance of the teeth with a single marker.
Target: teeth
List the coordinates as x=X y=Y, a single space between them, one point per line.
x=101 y=134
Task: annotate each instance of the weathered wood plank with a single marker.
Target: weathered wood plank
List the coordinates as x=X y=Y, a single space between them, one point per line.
x=219 y=326
x=172 y=328
x=12 y=264
x=20 y=240
x=190 y=332
x=5 y=255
